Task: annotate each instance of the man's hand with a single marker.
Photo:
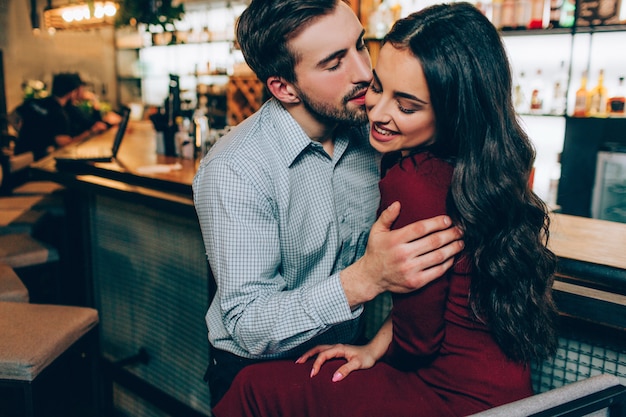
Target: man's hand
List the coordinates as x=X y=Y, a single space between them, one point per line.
x=98 y=127
x=401 y=260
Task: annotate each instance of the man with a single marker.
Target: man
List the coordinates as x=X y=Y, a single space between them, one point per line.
x=46 y=124
x=286 y=200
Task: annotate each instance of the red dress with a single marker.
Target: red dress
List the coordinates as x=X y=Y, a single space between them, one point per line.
x=441 y=362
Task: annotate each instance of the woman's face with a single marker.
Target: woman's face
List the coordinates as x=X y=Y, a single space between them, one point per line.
x=398 y=103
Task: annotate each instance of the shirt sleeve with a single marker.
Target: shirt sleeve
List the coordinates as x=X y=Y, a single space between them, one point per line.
x=241 y=236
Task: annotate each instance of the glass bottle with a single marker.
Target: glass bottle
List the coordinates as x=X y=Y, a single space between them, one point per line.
x=581 y=107
x=537 y=93
x=598 y=98
x=537 y=8
x=568 y=14
x=558 y=105
x=522 y=13
x=615 y=105
x=555 y=13
x=519 y=94
x=558 y=99
x=496 y=13
x=507 y=16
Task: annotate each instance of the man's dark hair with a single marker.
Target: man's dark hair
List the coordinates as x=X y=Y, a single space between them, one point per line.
x=64 y=83
x=265 y=27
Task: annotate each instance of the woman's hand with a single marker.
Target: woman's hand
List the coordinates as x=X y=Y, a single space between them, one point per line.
x=358 y=357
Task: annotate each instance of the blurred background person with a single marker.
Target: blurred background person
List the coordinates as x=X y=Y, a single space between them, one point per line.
x=48 y=123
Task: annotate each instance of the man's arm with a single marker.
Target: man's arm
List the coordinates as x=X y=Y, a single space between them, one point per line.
x=96 y=128
x=401 y=260
x=259 y=310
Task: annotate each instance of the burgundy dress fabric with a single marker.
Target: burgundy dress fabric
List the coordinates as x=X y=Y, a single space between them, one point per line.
x=441 y=362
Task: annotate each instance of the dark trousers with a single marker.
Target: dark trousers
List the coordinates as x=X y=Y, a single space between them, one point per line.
x=223 y=368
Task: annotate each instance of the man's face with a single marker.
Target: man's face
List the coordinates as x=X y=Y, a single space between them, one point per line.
x=334 y=70
x=77 y=95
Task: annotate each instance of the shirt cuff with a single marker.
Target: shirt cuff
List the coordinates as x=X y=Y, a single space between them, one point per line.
x=328 y=302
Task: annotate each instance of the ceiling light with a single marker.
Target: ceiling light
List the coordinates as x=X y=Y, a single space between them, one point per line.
x=81 y=15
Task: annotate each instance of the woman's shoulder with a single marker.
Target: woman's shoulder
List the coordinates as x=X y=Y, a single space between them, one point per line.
x=422 y=165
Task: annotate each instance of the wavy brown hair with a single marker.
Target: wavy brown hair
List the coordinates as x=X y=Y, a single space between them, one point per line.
x=505 y=225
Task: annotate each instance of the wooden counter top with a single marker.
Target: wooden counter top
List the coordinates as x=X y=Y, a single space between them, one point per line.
x=588 y=240
x=590 y=283
x=136 y=156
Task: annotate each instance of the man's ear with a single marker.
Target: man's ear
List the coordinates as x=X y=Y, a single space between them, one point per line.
x=283 y=90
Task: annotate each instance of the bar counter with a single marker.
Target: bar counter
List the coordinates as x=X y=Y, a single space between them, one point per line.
x=136 y=157
x=141 y=257
x=591 y=279
x=135 y=252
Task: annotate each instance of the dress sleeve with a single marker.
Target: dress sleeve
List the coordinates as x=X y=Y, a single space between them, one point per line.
x=421 y=187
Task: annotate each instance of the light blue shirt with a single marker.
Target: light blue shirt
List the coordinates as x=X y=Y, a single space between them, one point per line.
x=280 y=218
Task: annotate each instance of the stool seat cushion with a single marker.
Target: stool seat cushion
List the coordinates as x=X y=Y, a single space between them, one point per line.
x=11 y=286
x=34 y=335
x=21 y=250
x=37 y=187
x=20 y=202
x=21 y=221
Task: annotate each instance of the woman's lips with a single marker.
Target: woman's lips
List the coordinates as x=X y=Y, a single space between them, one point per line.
x=381 y=134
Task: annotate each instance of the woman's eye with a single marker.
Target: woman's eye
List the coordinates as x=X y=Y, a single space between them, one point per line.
x=406 y=110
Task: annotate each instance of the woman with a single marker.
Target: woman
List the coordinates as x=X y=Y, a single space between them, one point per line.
x=441 y=103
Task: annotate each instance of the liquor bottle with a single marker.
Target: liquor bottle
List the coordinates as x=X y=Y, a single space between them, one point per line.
x=553 y=185
x=537 y=12
x=522 y=13
x=537 y=93
x=496 y=13
x=507 y=18
x=519 y=94
x=396 y=10
x=581 y=107
x=558 y=105
x=615 y=105
x=380 y=20
x=598 y=98
x=568 y=14
x=558 y=99
x=183 y=140
x=555 y=13
x=201 y=132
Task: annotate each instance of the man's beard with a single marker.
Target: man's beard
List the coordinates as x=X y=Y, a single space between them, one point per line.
x=326 y=113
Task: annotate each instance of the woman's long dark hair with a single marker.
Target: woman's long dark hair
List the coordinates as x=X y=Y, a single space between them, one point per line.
x=505 y=224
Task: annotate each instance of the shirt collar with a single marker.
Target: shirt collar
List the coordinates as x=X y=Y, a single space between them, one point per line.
x=292 y=139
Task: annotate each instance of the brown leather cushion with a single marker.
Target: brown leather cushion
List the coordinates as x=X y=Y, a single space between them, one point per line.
x=34 y=335
x=21 y=250
x=11 y=286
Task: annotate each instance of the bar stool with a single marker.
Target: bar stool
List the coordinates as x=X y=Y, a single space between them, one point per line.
x=21 y=250
x=11 y=286
x=36 y=263
x=20 y=214
x=21 y=221
x=14 y=169
x=37 y=188
x=37 y=344
x=51 y=193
